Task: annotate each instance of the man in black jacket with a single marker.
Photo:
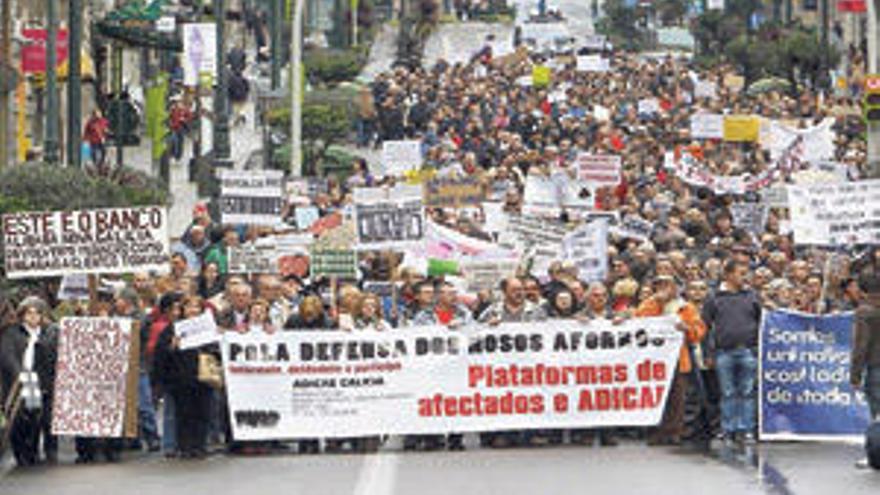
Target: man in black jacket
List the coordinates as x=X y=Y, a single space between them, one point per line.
x=733 y=315
x=28 y=352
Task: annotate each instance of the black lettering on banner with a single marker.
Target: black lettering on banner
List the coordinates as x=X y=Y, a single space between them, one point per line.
x=390 y=222
x=248 y=205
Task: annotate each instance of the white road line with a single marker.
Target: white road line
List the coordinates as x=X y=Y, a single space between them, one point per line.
x=378 y=475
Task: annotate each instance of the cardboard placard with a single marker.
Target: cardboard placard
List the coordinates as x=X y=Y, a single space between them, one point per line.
x=252 y=197
x=447 y=192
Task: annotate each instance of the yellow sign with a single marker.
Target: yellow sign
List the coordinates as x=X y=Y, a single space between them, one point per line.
x=420 y=176
x=541 y=75
x=740 y=128
x=734 y=82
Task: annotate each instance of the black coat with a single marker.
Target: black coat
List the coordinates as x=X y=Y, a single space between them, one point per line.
x=174 y=367
x=13 y=342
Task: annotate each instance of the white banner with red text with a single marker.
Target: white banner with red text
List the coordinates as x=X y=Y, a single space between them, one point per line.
x=426 y=380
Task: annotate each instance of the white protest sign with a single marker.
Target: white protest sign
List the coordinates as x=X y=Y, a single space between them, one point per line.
x=399 y=157
x=299 y=387
x=602 y=114
x=592 y=63
x=649 y=106
x=390 y=219
x=749 y=216
x=706 y=89
x=817 y=142
x=495 y=217
x=91 y=381
x=540 y=196
x=707 y=126
x=595 y=42
x=199 y=52
x=74 y=288
x=196 y=332
x=485 y=274
x=599 y=170
x=634 y=227
x=252 y=197
x=539 y=239
x=715 y=4
x=775 y=197
x=836 y=214
x=111 y=240
x=587 y=247
x=253 y=258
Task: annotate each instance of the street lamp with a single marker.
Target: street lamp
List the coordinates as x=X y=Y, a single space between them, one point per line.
x=221 y=93
x=74 y=85
x=296 y=91
x=51 y=142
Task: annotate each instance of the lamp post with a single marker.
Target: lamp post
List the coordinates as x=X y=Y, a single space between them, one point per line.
x=275 y=27
x=74 y=85
x=51 y=142
x=221 y=93
x=873 y=150
x=5 y=64
x=296 y=87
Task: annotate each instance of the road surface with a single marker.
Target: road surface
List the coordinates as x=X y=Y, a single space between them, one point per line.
x=628 y=469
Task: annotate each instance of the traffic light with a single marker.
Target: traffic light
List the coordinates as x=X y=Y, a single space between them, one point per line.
x=871 y=101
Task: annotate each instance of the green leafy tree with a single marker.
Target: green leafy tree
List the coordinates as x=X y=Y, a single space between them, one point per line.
x=671 y=12
x=323 y=125
x=620 y=23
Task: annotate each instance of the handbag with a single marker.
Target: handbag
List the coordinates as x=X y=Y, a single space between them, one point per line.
x=210 y=373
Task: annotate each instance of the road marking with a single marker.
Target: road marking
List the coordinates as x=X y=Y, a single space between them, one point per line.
x=378 y=474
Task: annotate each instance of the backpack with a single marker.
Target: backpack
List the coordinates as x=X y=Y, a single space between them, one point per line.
x=872 y=444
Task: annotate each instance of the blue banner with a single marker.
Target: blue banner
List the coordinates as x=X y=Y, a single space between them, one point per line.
x=804 y=383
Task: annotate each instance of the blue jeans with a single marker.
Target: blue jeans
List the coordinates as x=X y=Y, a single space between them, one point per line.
x=737 y=370
x=169 y=424
x=146 y=409
x=872 y=391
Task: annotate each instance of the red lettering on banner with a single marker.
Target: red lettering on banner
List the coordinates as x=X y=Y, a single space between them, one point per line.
x=626 y=398
x=508 y=404
x=542 y=375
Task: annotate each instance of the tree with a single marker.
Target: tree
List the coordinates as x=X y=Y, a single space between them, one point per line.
x=620 y=24
x=671 y=11
x=323 y=124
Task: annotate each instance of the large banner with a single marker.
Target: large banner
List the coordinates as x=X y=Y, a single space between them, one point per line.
x=253 y=197
x=836 y=214
x=430 y=380
x=113 y=240
x=91 y=377
x=804 y=388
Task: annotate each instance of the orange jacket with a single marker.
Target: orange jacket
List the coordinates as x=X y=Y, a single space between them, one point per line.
x=690 y=316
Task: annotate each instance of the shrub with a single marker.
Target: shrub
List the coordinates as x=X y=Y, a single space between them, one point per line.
x=333 y=66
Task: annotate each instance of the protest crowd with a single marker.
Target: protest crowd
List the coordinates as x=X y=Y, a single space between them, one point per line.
x=545 y=188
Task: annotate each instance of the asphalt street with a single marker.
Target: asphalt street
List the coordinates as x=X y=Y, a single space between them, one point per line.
x=781 y=469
